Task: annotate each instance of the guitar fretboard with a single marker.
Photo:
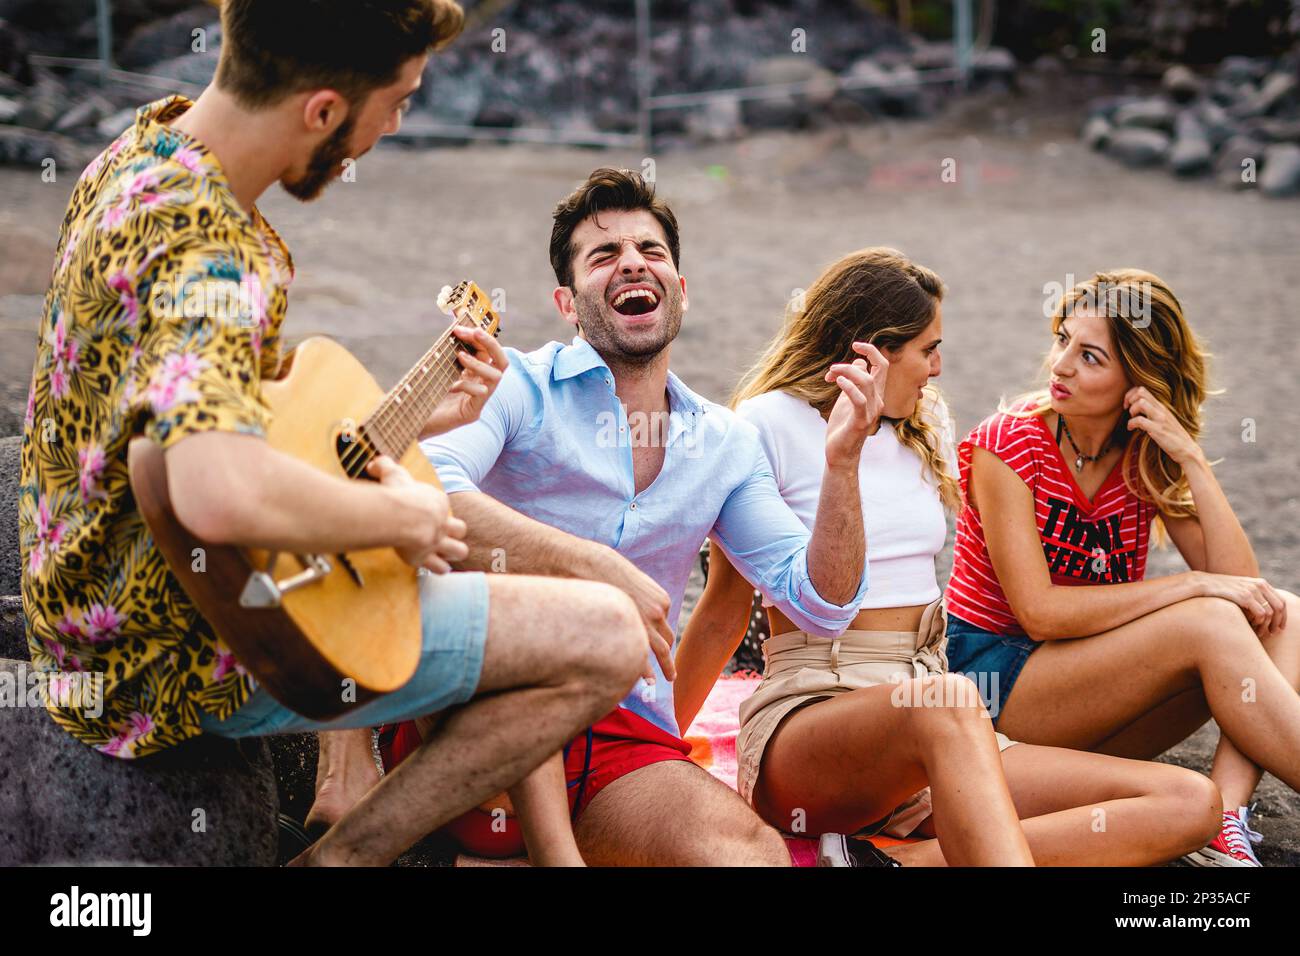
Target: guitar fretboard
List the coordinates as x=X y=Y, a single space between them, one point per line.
x=396 y=422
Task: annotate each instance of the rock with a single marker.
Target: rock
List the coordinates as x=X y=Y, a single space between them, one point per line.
x=787 y=111
x=1152 y=113
x=1049 y=65
x=994 y=61
x=8 y=109
x=194 y=68
x=1191 y=153
x=1096 y=132
x=170 y=37
x=43 y=104
x=1106 y=106
x=928 y=55
x=716 y=121
x=1190 y=157
x=13 y=635
x=88 y=111
x=1137 y=146
x=207 y=802
x=29 y=147
x=1242 y=69
x=113 y=125
x=1230 y=167
x=892 y=92
x=1281 y=173
x=1270 y=129
x=1216 y=122
x=1181 y=84
x=13 y=55
x=10 y=560
x=1276 y=90
x=497 y=116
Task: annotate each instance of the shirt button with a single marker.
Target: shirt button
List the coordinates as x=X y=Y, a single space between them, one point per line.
x=633 y=506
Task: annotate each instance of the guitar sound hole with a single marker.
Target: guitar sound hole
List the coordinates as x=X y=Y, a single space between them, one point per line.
x=353 y=453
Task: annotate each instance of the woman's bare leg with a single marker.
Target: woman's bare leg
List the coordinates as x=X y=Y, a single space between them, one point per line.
x=842 y=763
x=1086 y=809
x=542 y=805
x=1203 y=644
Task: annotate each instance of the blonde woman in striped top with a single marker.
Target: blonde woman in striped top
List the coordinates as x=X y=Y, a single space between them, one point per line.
x=1063 y=491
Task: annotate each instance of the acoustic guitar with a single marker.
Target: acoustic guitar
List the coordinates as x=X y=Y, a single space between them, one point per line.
x=320 y=631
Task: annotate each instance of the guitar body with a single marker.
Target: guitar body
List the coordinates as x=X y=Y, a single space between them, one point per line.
x=332 y=629
x=319 y=631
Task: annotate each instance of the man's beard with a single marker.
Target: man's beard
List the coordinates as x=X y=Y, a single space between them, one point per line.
x=323 y=165
x=599 y=325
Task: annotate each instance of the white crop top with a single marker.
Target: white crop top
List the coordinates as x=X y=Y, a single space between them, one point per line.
x=901 y=509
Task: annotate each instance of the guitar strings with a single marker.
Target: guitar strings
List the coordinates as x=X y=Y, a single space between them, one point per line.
x=391 y=416
x=441 y=373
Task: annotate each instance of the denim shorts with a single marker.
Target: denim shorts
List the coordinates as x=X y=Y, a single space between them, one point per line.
x=454 y=621
x=992 y=661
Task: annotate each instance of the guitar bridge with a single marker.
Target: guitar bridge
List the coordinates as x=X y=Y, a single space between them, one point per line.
x=261 y=590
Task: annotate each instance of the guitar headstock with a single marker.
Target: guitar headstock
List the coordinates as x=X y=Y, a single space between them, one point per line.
x=467 y=302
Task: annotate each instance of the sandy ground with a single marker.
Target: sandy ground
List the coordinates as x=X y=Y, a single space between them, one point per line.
x=760 y=217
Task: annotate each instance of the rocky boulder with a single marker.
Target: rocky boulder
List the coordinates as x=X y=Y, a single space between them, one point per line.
x=207 y=802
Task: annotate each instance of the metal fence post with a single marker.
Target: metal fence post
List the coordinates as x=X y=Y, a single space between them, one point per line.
x=643 y=75
x=104 y=25
x=962 y=40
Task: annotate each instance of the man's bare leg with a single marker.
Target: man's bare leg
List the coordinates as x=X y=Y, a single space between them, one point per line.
x=559 y=654
x=673 y=813
x=345 y=772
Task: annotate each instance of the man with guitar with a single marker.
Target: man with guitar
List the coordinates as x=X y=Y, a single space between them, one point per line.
x=516 y=665
x=594 y=460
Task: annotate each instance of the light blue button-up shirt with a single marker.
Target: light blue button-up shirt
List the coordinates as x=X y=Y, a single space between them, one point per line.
x=554 y=443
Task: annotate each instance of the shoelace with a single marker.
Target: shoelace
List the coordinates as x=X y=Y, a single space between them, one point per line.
x=1237 y=836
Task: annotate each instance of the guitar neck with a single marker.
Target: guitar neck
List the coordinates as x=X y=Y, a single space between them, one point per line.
x=396 y=422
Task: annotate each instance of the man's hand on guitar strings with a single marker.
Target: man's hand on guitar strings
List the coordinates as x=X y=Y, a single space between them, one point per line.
x=437 y=537
x=481 y=372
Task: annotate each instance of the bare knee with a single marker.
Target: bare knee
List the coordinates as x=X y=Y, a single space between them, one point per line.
x=1194 y=798
x=944 y=699
x=751 y=842
x=609 y=642
x=1211 y=623
x=940 y=707
x=1291 y=629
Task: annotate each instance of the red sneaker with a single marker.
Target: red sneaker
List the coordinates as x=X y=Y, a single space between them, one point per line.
x=1232 y=846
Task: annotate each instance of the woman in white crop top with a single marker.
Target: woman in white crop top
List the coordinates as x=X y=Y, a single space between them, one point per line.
x=868 y=731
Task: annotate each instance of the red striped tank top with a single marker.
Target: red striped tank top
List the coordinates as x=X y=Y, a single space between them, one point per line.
x=1099 y=542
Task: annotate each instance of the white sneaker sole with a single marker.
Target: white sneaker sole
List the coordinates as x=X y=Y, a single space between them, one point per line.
x=831 y=851
x=1208 y=857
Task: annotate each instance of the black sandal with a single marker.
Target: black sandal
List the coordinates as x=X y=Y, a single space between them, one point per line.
x=294 y=839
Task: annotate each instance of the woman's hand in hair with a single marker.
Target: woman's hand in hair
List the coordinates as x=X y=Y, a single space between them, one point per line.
x=858 y=409
x=1149 y=415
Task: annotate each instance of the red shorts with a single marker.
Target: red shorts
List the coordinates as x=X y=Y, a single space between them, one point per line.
x=620 y=742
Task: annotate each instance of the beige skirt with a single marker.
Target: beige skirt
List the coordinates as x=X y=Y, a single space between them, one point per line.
x=801 y=668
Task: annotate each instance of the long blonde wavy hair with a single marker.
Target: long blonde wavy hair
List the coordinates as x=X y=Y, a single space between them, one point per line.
x=1158 y=350
x=876 y=295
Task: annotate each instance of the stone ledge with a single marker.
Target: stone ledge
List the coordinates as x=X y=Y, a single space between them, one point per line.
x=62 y=802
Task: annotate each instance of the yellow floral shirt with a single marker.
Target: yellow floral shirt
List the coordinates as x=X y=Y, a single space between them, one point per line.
x=136 y=339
